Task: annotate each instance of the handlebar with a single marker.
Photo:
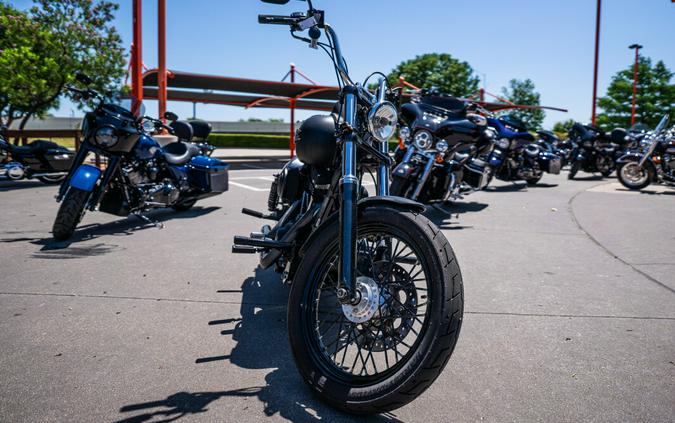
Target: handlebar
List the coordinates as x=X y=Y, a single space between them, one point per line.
x=279 y=20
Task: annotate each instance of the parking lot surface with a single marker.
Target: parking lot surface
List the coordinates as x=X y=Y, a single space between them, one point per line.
x=569 y=316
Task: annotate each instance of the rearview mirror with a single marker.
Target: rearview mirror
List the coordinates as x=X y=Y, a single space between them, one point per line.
x=83 y=78
x=170 y=116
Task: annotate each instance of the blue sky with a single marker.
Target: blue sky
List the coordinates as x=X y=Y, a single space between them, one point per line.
x=550 y=42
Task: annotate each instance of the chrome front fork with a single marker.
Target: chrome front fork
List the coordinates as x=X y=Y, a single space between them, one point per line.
x=349 y=187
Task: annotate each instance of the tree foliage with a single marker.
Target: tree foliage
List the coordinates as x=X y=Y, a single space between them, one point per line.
x=523 y=92
x=41 y=51
x=563 y=126
x=450 y=75
x=655 y=96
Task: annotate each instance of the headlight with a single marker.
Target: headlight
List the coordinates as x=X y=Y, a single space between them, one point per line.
x=423 y=140
x=105 y=137
x=382 y=121
x=503 y=143
x=442 y=146
x=404 y=132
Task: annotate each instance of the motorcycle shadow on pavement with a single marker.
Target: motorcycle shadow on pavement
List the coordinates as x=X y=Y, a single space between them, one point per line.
x=261 y=343
x=442 y=213
x=68 y=249
x=7 y=185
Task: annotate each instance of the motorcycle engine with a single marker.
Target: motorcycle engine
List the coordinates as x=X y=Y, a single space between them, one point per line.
x=143 y=176
x=669 y=159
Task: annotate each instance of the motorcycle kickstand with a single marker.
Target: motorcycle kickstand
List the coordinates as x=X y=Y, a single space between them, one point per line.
x=146 y=219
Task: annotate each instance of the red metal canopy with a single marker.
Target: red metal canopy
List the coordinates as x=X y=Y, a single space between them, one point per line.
x=258 y=93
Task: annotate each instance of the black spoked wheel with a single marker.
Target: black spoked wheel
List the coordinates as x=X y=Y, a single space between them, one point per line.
x=383 y=352
x=70 y=213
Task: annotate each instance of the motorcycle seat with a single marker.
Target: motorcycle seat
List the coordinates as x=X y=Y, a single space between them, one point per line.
x=36 y=147
x=179 y=153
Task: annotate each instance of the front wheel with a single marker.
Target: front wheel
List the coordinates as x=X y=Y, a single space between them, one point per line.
x=70 y=213
x=383 y=352
x=633 y=176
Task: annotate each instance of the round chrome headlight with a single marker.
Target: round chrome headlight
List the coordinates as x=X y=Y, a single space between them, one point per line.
x=503 y=143
x=382 y=121
x=105 y=137
x=423 y=140
x=404 y=132
x=442 y=146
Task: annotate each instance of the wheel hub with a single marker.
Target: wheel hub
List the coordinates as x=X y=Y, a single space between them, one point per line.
x=365 y=309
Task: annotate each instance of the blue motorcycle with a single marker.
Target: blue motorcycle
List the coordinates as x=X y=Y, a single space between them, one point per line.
x=140 y=174
x=516 y=156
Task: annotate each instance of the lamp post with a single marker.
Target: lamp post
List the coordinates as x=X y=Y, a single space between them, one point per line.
x=595 y=68
x=637 y=47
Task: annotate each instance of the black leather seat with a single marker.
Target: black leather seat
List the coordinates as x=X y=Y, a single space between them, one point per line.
x=179 y=153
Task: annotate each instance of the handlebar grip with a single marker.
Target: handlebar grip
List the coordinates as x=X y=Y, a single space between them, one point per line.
x=277 y=20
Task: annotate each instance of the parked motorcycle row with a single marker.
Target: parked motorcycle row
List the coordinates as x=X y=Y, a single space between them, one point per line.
x=376 y=299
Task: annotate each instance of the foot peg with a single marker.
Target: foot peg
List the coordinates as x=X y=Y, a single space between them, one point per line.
x=261 y=243
x=259 y=215
x=242 y=249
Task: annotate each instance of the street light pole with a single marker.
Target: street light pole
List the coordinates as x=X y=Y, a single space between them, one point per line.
x=595 y=69
x=635 y=77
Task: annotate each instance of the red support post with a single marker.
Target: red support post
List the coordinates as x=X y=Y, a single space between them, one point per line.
x=292 y=101
x=161 y=56
x=137 y=58
x=595 y=68
x=635 y=78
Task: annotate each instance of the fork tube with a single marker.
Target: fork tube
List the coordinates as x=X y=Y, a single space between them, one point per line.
x=349 y=185
x=425 y=175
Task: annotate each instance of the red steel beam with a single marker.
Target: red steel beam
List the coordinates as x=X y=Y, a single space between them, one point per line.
x=137 y=58
x=161 y=56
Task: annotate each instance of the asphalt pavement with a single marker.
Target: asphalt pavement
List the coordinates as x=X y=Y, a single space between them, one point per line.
x=569 y=317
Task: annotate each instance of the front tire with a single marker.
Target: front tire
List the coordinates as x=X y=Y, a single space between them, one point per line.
x=412 y=332
x=633 y=176
x=70 y=213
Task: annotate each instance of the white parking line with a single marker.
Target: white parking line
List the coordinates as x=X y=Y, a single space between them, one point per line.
x=248 y=187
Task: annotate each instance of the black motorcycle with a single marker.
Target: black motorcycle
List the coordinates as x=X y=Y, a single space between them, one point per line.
x=44 y=160
x=552 y=143
x=594 y=151
x=652 y=162
x=516 y=156
x=376 y=297
x=443 y=137
x=139 y=174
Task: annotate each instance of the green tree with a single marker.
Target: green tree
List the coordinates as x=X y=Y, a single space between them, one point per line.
x=450 y=75
x=563 y=126
x=42 y=50
x=655 y=96
x=523 y=92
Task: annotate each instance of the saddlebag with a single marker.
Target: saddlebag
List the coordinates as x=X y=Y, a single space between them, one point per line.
x=208 y=174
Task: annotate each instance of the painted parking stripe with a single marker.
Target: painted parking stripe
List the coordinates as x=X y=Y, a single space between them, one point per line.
x=248 y=187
